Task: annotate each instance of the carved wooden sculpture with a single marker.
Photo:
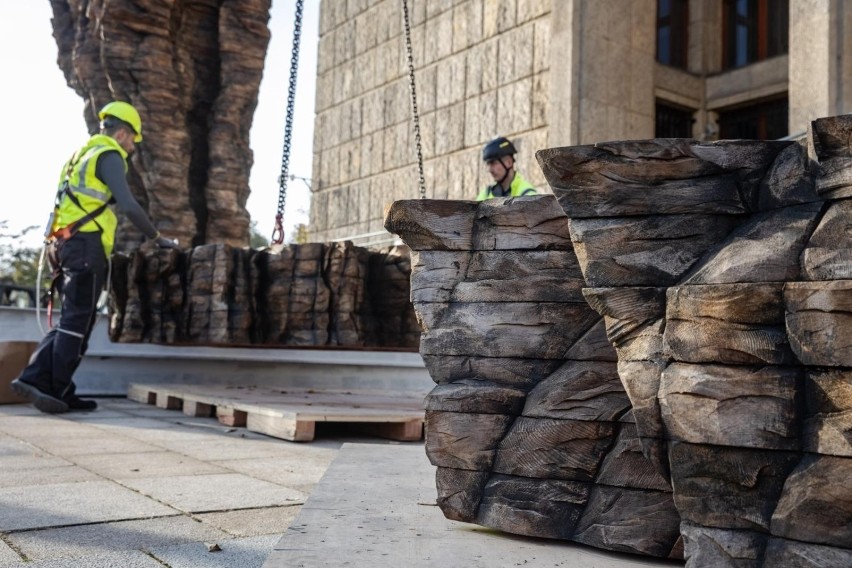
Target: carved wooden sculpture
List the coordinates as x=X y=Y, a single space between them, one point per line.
x=192 y=69
x=721 y=272
x=324 y=295
x=529 y=425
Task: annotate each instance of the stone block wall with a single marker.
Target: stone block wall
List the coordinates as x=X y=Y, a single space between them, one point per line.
x=481 y=70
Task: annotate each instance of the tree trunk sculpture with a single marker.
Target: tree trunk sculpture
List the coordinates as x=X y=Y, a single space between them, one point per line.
x=192 y=69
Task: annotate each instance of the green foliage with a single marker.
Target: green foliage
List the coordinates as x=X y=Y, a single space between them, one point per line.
x=256 y=238
x=18 y=264
x=300 y=234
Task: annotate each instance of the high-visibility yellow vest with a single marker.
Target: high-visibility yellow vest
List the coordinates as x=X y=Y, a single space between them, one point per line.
x=519 y=187
x=91 y=192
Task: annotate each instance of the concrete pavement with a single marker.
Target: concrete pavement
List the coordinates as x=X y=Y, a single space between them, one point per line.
x=135 y=486
x=376 y=507
x=131 y=485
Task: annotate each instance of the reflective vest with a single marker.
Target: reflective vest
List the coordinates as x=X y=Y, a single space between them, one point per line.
x=91 y=193
x=519 y=187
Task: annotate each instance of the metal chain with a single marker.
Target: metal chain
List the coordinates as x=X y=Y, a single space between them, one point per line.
x=411 y=87
x=278 y=232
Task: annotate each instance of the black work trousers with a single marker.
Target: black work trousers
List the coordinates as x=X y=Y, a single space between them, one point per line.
x=83 y=266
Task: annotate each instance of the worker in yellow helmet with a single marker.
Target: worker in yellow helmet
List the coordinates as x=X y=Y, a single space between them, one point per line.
x=499 y=158
x=80 y=239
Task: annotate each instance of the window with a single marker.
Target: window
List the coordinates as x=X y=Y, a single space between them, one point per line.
x=762 y=121
x=672 y=121
x=754 y=30
x=672 y=27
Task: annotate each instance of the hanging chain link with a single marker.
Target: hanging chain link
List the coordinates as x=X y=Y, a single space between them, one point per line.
x=415 y=115
x=278 y=231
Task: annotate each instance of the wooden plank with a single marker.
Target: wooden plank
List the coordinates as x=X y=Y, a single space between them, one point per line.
x=141 y=393
x=169 y=402
x=610 y=253
x=728 y=487
x=547 y=508
x=816 y=503
x=231 y=416
x=738 y=406
x=529 y=223
x=830 y=137
x=819 y=321
x=634 y=319
x=579 y=390
x=766 y=248
x=637 y=521
x=514 y=329
x=292 y=414
x=661 y=176
x=485 y=276
x=828 y=422
x=793 y=553
x=546 y=448
x=462 y=440
x=739 y=324
x=411 y=431
x=459 y=492
x=285 y=427
x=195 y=408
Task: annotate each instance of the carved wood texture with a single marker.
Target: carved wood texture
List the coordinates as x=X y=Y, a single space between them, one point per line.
x=720 y=273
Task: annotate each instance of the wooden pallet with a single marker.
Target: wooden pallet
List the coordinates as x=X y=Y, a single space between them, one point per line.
x=291 y=414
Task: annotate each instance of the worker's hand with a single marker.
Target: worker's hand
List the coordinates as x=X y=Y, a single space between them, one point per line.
x=165 y=243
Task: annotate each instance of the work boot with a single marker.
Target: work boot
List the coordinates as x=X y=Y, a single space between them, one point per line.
x=45 y=402
x=80 y=404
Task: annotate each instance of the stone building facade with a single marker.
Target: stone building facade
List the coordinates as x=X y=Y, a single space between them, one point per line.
x=549 y=73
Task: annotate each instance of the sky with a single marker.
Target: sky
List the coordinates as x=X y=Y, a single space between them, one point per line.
x=41 y=118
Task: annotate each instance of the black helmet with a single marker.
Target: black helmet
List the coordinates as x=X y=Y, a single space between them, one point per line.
x=498 y=148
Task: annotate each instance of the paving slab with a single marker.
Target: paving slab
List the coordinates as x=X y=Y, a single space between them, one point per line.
x=252 y=522
x=97 y=442
x=47 y=473
x=95 y=416
x=8 y=555
x=37 y=459
x=241 y=552
x=28 y=427
x=376 y=506
x=124 y=559
x=63 y=504
x=11 y=446
x=223 y=448
x=22 y=409
x=105 y=538
x=139 y=427
x=301 y=472
x=145 y=465
x=215 y=492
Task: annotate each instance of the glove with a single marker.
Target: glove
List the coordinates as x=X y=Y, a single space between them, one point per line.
x=165 y=243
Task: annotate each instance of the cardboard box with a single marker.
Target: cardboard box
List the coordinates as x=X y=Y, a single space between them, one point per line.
x=14 y=356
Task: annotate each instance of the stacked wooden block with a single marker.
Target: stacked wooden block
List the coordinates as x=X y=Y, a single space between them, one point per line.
x=299 y=295
x=529 y=424
x=721 y=271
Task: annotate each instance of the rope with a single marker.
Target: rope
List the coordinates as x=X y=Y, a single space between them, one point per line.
x=415 y=115
x=278 y=231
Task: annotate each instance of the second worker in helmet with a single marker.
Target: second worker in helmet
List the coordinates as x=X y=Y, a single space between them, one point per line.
x=499 y=158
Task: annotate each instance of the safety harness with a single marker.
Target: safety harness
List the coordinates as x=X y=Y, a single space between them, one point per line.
x=57 y=237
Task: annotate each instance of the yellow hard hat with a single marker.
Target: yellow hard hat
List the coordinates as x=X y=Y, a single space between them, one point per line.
x=125 y=112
